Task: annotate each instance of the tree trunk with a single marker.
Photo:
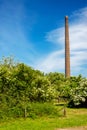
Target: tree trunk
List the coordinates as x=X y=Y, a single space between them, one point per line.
x=64 y=111
x=25 y=113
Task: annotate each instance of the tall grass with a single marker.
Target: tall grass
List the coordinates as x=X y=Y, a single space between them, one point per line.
x=33 y=110
x=42 y=109
x=75 y=117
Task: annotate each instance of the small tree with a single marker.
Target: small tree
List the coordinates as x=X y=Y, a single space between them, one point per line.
x=78 y=95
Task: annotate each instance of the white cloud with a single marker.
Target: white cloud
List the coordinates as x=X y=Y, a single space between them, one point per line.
x=52 y=61
x=78 y=45
x=56 y=36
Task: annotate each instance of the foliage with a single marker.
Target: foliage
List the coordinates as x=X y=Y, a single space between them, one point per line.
x=78 y=95
x=21 y=85
x=57 y=81
x=42 y=109
x=75 y=117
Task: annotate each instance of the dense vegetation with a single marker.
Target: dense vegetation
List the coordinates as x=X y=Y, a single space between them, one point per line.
x=21 y=87
x=74 y=118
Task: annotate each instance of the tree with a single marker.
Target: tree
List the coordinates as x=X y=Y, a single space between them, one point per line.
x=78 y=94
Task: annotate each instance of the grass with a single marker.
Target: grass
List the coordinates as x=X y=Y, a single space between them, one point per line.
x=75 y=117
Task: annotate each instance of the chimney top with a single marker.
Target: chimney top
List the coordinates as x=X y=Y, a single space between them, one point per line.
x=66 y=17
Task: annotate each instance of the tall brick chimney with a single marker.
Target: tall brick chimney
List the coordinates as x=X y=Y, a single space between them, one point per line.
x=67 y=49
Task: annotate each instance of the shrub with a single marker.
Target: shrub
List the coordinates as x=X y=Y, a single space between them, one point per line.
x=78 y=95
x=42 y=109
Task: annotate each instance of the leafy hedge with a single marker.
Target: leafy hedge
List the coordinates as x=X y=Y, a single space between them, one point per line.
x=21 y=85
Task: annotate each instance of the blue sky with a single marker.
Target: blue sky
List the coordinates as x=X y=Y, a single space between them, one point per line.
x=33 y=32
